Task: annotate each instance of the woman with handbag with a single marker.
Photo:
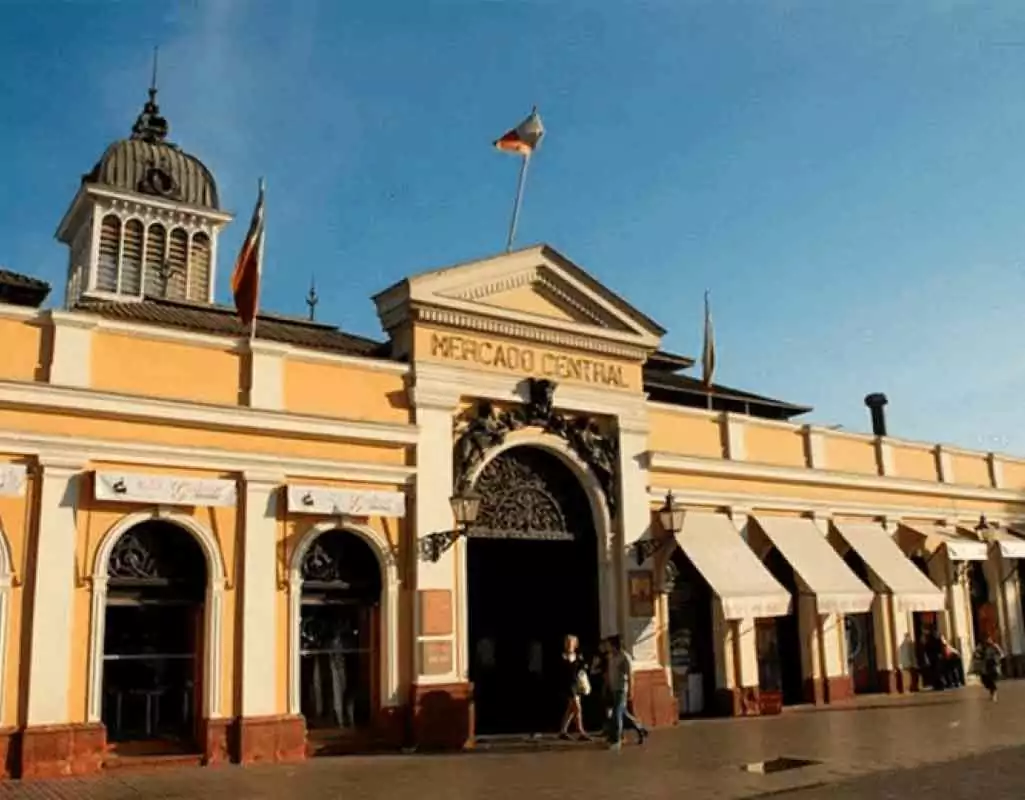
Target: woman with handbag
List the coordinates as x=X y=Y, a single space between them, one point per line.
x=574 y=684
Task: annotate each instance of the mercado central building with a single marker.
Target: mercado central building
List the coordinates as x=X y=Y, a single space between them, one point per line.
x=221 y=550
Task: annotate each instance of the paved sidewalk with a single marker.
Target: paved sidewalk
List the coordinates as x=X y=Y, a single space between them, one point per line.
x=699 y=759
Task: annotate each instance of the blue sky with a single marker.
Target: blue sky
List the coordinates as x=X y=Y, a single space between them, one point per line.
x=848 y=179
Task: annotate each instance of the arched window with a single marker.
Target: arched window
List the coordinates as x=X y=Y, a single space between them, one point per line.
x=178 y=262
x=199 y=268
x=156 y=254
x=131 y=259
x=109 y=254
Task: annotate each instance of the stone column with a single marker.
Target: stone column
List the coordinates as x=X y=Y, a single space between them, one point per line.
x=811 y=648
x=442 y=697
x=51 y=745
x=264 y=733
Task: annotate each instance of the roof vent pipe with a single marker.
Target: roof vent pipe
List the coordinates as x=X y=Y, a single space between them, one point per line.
x=876 y=403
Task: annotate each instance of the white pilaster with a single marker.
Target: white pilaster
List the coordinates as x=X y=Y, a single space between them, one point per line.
x=736 y=448
x=71 y=359
x=884 y=457
x=996 y=470
x=53 y=590
x=266 y=363
x=435 y=414
x=815 y=447
x=944 y=465
x=259 y=596
x=634 y=523
x=808 y=625
x=746 y=652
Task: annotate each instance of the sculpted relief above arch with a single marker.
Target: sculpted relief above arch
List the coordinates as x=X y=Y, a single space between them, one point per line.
x=487 y=428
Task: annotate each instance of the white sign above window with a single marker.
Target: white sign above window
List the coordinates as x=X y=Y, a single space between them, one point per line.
x=345 y=502
x=168 y=490
x=12 y=480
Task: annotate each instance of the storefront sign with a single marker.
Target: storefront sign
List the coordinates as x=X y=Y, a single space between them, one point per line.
x=165 y=490
x=345 y=502
x=527 y=360
x=12 y=480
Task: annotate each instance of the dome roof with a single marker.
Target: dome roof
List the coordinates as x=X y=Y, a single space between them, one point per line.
x=148 y=164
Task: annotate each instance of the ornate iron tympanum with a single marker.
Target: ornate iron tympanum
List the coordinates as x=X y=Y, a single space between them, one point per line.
x=523 y=498
x=157 y=554
x=488 y=428
x=340 y=561
x=131 y=558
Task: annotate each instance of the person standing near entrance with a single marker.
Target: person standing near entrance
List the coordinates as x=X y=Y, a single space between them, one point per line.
x=573 y=685
x=621 y=682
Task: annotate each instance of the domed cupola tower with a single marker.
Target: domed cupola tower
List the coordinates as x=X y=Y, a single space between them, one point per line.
x=145 y=221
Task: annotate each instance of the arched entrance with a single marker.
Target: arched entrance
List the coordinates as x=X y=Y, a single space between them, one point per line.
x=339 y=634
x=691 y=643
x=859 y=632
x=779 y=641
x=532 y=578
x=153 y=640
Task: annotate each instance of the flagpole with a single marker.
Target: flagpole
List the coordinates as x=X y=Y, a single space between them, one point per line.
x=518 y=203
x=259 y=262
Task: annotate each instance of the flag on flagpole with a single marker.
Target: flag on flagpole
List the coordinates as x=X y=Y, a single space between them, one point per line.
x=708 y=352
x=524 y=139
x=245 y=279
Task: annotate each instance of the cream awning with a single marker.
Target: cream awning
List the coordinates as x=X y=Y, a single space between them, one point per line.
x=959 y=548
x=741 y=581
x=1010 y=544
x=911 y=589
x=836 y=588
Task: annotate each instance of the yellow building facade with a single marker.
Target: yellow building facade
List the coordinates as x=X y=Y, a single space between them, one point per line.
x=219 y=549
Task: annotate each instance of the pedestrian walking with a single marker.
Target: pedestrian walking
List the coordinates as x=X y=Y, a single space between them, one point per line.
x=574 y=684
x=989 y=657
x=621 y=681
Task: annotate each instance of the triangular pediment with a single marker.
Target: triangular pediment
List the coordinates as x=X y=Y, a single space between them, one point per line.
x=535 y=286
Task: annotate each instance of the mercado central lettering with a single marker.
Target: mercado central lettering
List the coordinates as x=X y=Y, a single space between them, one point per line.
x=526 y=360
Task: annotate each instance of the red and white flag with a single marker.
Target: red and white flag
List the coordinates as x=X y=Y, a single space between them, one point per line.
x=245 y=280
x=524 y=138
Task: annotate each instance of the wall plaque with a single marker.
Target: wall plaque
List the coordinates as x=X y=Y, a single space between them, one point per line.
x=169 y=490
x=642 y=593
x=12 y=480
x=435 y=612
x=326 y=500
x=435 y=658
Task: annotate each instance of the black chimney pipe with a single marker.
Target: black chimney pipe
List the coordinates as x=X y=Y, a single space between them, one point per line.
x=876 y=403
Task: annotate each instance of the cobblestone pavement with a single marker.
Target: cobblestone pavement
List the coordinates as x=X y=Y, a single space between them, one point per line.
x=697 y=759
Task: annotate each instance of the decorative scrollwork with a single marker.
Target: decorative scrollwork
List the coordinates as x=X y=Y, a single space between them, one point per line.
x=341 y=561
x=488 y=428
x=131 y=558
x=526 y=496
x=319 y=565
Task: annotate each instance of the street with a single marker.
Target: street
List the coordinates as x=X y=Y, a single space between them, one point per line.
x=957 y=744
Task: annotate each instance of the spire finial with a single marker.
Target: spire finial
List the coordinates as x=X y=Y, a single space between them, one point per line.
x=150 y=126
x=153 y=80
x=312 y=299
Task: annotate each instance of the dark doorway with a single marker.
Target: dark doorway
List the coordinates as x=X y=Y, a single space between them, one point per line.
x=781 y=642
x=691 y=644
x=532 y=575
x=984 y=618
x=153 y=640
x=339 y=635
x=859 y=632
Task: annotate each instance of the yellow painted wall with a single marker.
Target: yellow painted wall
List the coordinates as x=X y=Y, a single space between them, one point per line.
x=826 y=494
x=560 y=364
x=1014 y=474
x=348 y=392
x=132 y=365
x=846 y=454
x=95 y=519
x=145 y=433
x=774 y=445
x=970 y=470
x=690 y=434
x=14 y=519
x=20 y=350
x=915 y=463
